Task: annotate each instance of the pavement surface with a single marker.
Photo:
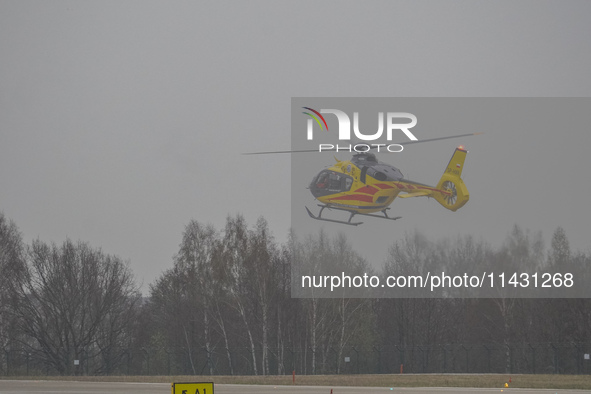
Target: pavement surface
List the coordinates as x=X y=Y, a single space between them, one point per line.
x=40 y=386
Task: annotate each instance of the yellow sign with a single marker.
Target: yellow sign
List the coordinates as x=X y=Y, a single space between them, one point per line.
x=192 y=388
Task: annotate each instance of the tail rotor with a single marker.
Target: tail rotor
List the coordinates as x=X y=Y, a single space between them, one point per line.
x=452 y=192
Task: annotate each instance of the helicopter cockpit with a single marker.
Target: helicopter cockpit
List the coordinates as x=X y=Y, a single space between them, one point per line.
x=330 y=182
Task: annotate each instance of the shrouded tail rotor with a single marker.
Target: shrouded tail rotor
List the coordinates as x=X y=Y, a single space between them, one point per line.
x=452 y=197
x=452 y=192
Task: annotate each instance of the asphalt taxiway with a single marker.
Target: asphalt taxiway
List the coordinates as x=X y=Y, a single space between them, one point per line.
x=41 y=386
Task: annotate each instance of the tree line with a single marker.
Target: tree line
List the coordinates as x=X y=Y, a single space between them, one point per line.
x=224 y=307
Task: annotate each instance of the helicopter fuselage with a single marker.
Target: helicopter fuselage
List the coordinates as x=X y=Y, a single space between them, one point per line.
x=363 y=185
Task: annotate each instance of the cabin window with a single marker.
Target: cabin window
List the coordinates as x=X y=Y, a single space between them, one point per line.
x=348 y=183
x=333 y=182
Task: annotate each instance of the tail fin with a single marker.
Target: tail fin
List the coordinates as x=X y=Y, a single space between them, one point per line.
x=452 y=193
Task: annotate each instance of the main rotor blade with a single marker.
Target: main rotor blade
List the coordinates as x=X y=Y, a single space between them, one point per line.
x=436 y=139
x=284 y=151
x=371 y=147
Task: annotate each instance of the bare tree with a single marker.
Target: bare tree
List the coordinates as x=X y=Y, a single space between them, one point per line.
x=262 y=261
x=195 y=261
x=560 y=254
x=183 y=298
x=77 y=303
x=11 y=267
x=234 y=273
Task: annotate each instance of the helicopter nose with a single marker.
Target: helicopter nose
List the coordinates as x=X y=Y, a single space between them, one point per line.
x=319 y=184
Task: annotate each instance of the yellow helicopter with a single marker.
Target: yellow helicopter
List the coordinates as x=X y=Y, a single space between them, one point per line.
x=364 y=185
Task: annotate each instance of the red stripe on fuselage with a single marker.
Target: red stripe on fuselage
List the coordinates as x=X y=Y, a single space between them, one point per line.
x=367 y=189
x=384 y=186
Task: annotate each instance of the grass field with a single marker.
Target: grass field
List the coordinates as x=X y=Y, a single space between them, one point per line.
x=581 y=382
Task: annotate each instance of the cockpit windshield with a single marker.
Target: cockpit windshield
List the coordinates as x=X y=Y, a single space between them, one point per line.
x=330 y=182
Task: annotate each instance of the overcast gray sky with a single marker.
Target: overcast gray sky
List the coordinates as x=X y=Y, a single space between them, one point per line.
x=121 y=121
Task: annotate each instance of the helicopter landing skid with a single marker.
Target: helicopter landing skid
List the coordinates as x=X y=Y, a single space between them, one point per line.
x=352 y=213
x=319 y=217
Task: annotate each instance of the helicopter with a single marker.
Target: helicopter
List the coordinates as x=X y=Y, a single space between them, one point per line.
x=364 y=186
